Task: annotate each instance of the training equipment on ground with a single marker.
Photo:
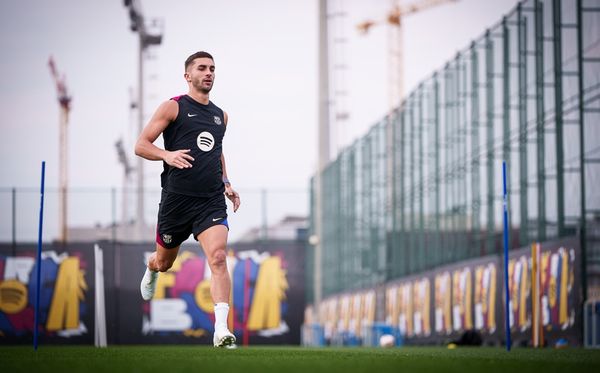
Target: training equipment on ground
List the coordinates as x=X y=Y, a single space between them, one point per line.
x=506 y=287
x=39 y=261
x=387 y=340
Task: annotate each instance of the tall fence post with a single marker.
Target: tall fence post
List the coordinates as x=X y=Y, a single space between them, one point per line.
x=113 y=195
x=582 y=229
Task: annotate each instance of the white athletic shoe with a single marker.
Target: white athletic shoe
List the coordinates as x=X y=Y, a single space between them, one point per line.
x=224 y=338
x=148 y=284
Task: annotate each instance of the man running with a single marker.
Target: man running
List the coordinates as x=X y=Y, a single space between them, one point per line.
x=194 y=185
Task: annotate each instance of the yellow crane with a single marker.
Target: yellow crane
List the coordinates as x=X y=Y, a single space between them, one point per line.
x=396 y=43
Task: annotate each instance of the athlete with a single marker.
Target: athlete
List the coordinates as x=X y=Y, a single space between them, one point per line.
x=194 y=185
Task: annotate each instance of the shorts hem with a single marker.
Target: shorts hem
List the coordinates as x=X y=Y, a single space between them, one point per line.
x=204 y=227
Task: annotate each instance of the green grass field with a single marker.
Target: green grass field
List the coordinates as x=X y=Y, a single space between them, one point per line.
x=188 y=359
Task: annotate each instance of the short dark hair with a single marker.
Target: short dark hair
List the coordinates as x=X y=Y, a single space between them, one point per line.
x=200 y=54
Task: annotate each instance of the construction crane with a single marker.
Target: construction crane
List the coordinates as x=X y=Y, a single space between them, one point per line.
x=396 y=42
x=64 y=101
x=396 y=72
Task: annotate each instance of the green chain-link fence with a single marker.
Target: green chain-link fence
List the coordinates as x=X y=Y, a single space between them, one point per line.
x=424 y=186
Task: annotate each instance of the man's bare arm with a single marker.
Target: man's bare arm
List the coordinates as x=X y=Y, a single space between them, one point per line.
x=233 y=196
x=145 y=148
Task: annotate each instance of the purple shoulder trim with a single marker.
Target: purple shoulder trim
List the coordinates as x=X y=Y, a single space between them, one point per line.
x=176 y=98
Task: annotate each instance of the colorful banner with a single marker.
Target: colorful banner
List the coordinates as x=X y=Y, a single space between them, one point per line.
x=367 y=316
x=486 y=276
x=391 y=305
x=344 y=309
x=422 y=307
x=65 y=313
x=405 y=314
x=558 y=292
x=183 y=304
x=462 y=291
x=266 y=305
x=408 y=306
x=468 y=296
x=356 y=305
x=443 y=303
x=345 y=316
x=329 y=311
x=519 y=285
x=559 y=299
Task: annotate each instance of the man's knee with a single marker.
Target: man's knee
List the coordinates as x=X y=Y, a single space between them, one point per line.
x=163 y=264
x=218 y=260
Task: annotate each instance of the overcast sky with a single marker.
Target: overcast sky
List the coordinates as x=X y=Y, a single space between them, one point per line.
x=266 y=79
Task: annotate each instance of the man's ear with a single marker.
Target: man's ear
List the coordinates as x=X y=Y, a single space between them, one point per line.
x=187 y=77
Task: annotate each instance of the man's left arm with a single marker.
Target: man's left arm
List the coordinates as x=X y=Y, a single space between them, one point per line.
x=233 y=196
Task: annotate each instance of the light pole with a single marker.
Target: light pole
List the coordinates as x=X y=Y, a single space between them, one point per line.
x=323 y=143
x=146 y=40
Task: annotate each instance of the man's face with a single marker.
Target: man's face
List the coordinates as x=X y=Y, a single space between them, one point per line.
x=201 y=74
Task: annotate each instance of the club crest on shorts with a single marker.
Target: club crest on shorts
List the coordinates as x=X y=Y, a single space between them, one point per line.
x=217 y=120
x=167 y=238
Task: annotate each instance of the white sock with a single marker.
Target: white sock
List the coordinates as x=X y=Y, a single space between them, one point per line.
x=221 y=312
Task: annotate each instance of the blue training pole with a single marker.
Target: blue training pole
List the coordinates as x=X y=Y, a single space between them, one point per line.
x=506 y=288
x=39 y=261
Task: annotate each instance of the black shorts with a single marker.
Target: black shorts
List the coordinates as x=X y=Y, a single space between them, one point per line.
x=179 y=215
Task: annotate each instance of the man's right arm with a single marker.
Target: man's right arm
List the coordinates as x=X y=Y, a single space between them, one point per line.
x=145 y=148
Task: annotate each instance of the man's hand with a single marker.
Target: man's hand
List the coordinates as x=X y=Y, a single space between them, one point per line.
x=233 y=196
x=179 y=158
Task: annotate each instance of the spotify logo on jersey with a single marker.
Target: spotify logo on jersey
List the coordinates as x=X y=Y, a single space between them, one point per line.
x=205 y=141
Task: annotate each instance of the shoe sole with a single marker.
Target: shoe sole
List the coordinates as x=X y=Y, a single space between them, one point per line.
x=226 y=341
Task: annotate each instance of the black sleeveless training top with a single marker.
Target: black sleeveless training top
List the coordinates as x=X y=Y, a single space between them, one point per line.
x=201 y=129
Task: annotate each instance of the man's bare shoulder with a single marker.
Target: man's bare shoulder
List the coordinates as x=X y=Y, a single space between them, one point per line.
x=168 y=110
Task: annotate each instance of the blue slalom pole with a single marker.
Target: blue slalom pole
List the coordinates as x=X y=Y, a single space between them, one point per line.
x=506 y=288
x=39 y=261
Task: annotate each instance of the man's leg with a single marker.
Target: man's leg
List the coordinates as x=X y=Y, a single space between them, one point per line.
x=160 y=261
x=214 y=241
